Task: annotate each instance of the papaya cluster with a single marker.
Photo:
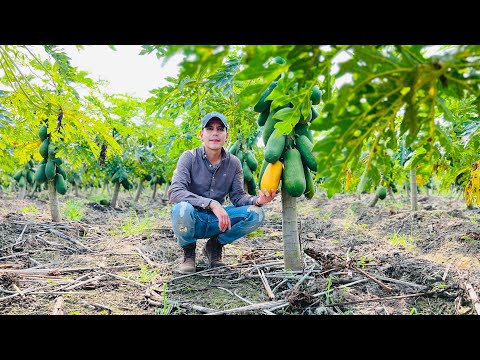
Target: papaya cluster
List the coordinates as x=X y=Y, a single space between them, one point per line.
x=50 y=169
x=287 y=158
x=120 y=176
x=26 y=175
x=245 y=154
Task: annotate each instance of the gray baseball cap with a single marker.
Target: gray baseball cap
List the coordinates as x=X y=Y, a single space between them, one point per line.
x=212 y=115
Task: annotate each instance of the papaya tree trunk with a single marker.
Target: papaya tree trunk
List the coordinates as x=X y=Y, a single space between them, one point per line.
x=116 y=190
x=165 y=195
x=291 y=245
x=34 y=187
x=406 y=187
x=139 y=190
x=390 y=193
x=21 y=192
x=154 y=191
x=373 y=202
x=53 y=201
x=413 y=188
x=76 y=190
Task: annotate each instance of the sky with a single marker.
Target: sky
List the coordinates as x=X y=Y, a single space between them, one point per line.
x=126 y=71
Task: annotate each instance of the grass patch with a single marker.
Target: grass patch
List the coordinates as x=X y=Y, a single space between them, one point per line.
x=134 y=225
x=30 y=209
x=73 y=209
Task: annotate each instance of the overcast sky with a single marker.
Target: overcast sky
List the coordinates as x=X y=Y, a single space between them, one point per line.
x=126 y=71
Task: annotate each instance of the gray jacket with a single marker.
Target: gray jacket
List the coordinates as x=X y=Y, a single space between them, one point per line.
x=195 y=183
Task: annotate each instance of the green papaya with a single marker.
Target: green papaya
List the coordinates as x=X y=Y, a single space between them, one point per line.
x=234 y=148
x=316 y=95
x=43 y=150
x=18 y=175
x=381 y=192
x=30 y=177
x=104 y=202
x=305 y=147
x=262 y=118
x=51 y=152
x=50 y=170
x=310 y=187
x=60 y=184
x=293 y=176
x=240 y=155
x=252 y=187
x=302 y=129
x=40 y=176
x=251 y=160
x=148 y=177
x=247 y=173
x=43 y=133
x=59 y=170
x=274 y=147
x=269 y=127
x=58 y=161
x=262 y=170
x=262 y=103
x=315 y=114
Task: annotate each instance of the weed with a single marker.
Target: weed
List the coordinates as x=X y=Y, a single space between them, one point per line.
x=402 y=240
x=258 y=232
x=362 y=261
x=73 y=210
x=166 y=307
x=413 y=311
x=76 y=312
x=146 y=275
x=328 y=296
x=134 y=225
x=30 y=209
x=325 y=216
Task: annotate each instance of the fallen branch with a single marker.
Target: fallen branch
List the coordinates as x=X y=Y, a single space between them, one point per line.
x=382 y=299
x=473 y=296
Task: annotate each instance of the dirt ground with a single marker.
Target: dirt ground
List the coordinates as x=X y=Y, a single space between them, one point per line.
x=385 y=260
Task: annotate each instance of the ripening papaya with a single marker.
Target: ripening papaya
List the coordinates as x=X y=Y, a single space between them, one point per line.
x=271 y=176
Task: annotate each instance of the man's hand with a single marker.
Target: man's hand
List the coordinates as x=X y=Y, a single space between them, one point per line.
x=264 y=196
x=224 y=223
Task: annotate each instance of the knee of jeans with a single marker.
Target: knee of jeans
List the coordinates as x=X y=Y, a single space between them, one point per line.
x=257 y=214
x=182 y=211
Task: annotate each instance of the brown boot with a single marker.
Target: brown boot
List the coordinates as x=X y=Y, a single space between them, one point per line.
x=188 y=265
x=213 y=251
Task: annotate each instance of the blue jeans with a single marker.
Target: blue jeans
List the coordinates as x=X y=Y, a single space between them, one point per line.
x=190 y=224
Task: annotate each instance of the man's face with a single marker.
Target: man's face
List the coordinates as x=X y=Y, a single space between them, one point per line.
x=214 y=134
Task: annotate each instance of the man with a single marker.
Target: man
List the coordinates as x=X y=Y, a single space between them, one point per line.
x=203 y=178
